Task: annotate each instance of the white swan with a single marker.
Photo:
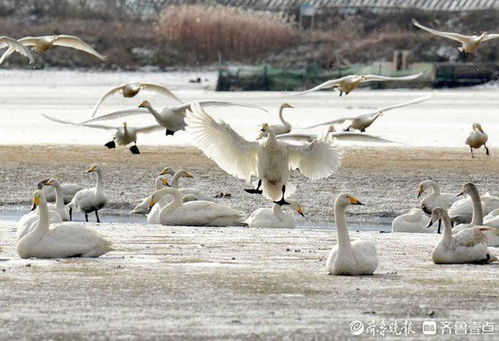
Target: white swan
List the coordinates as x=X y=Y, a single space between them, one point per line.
x=414 y=221
x=477 y=138
x=270 y=160
x=332 y=136
x=363 y=121
x=462 y=211
x=130 y=89
x=171 y=118
x=436 y=198
x=30 y=220
x=43 y=43
x=182 y=173
x=167 y=170
x=90 y=199
x=68 y=190
x=143 y=207
x=468 y=246
x=274 y=217
x=284 y=127
x=350 y=258
x=195 y=213
x=15 y=46
x=123 y=135
x=59 y=200
x=60 y=240
x=347 y=84
x=492 y=219
x=469 y=43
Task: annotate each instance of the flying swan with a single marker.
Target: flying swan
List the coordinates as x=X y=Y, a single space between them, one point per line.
x=269 y=160
x=332 y=135
x=469 y=43
x=14 y=46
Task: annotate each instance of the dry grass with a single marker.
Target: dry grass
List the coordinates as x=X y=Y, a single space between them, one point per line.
x=237 y=34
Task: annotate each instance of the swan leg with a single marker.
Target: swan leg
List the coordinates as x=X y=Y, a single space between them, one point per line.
x=348 y=129
x=97 y=216
x=86 y=217
x=169 y=132
x=134 y=150
x=255 y=191
x=439 y=225
x=110 y=145
x=362 y=130
x=341 y=93
x=471 y=149
x=70 y=214
x=486 y=150
x=282 y=201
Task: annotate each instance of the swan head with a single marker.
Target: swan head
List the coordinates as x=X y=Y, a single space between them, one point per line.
x=93 y=168
x=297 y=207
x=331 y=129
x=185 y=174
x=167 y=170
x=346 y=199
x=42 y=183
x=286 y=105
x=264 y=131
x=469 y=189
x=163 y=180
x=478 y=126
x=423 y=185
x=38 y=198
x=52 y=182
x=437 y=214
x=157 y=195
x=124 y=125
x=144 y=104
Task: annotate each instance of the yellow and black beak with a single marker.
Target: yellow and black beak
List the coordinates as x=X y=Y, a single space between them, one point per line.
x=480 y=128
x=151 y=203
x=420 y=191
x=300 y=211
x=36 y=202
x=188 y=175
x=354 y=201
x=91 y=169
x=459 y=194
x=165 y=182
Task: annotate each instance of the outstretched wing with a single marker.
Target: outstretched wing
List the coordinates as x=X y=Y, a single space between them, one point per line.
x=491 y=36
x=110 y=92
x=297 y=137
x=212 y=103
x=14 y=46
x=337 y=121
x=222 y=144
x=360 y=137
x=316 y=160
x=149 y=129
x=450 y=35
x=159 y=89
x=325 y=85
x=76 y=43
x=98 y=126
x=414 y=101
x=370 y=78
x=118 y=114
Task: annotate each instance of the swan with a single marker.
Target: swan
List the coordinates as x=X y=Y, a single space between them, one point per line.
x=43 y=43
x=332 y=135
x=123 y=135
x=274 y=217
x=59 y=200
x=270 y=160
x=30 y=220
x=350 y=258
x=194 y=213
x=462 y=210
x=68 y=190
x=436 y=198
x=284 y=127
x=15 y=46
x=468 y=246
x=492 y=219
x=90 y=199
x=414 y=221
x=143 y=207
x=363 y=121
x=182 y=173
x=171 y=118
x=60 y=240
x=469 y=43
x=130 y=89
x=347 y=84
x=477 y=138
x=167 y=170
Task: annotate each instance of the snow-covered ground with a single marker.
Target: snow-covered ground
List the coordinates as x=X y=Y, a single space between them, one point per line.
x=442 y=121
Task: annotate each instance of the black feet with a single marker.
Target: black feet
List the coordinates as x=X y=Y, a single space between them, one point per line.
x=86 y=217
x=486 y=150
x=253 y=191
x=341 y=93
x=281 y=202
x=70 y=214
x=110 y=145
x=134 y=150
x=169 y=132
x=97 y=216
x=348 y=129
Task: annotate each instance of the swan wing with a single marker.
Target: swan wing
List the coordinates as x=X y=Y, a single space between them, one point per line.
x=76 y=43
x=370 y=78
x=159 y=89
x=450 y=35
x=209 y=103
x=491 y=36
x=98 y=126
x=404 y=104
x=222 y=144
x=337 y=121
x=118 y=114
x=14 y=46
x=315 y=160
x=149 y=129
x=297 y=137
x=362 y=137
x=110 y=92
x=30 y=41
x=325 y=85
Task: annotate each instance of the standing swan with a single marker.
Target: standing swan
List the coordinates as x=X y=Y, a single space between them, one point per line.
x=61 y=240
x=350 y=258
x=468 y=246
x=194 y=213
x=477 y=138
x=274 y=217
x=90 y=199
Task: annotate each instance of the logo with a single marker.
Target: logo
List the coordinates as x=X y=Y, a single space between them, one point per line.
x=356 y=327
x=429 y=327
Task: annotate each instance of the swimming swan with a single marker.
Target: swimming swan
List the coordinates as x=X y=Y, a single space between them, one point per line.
x=195 y=213
x=477 y=138
x=469 y=43
x=347 y=84
x=143 y=207
x=15 y=46
x=90 y=199
x=350 y=258
x=59 y=240
x=414 y=221
x=468 y=246
x=270 y=160
x=274 y=217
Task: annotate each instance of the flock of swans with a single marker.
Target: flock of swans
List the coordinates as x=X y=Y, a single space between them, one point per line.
x=266 y=162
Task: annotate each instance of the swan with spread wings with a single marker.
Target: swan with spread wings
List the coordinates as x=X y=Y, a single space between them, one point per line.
x=269 y=160
x=15 y=46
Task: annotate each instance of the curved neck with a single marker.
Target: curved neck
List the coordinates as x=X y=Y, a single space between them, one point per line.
x=446 y=239
x=342 y=230
x=281 y=117
x=176 y=177
x=59 y=197
x=158 y=183
x=277 y=211
x=99 y=187
x=434 y=186
x=375 y=117
x=271 y=139
x=173 y=205
x=477 y=218
x=43 y=222
x=153 y=111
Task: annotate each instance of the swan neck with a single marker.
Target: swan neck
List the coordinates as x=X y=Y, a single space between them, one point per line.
x=172 y=205
x=342 y=230
x=447 y=230
x=477 y=217
x=436 y=189
x=59 y=197
x=281 y=117
x=277 y=211
x=99 y=187
x=153 y=111
x=159 y=184
x=176 y=177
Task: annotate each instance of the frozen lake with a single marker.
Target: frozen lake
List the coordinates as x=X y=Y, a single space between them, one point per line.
x=443 y=121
